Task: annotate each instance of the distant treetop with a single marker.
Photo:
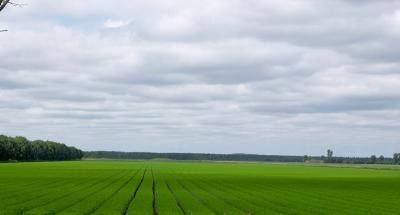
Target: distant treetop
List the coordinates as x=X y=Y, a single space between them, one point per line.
x=21 y=149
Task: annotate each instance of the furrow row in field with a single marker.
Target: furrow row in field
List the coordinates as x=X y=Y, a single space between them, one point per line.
x=204 y=201
x=154 y=194
x=188 y=202
x=24 y=196
x=32 y=184
x=315 y=198
x=80 y=204
x=177 y=202
x=114 y=193
x=92 y=201
x=117 y=203
x=165 y=203
x=312 y=195
x=133 y=195
x=77 y=196
x=220 y=205
x=237 y=199
x=47 y=196
x=30 y=198
x=142 y=203
x=15 y=189
x=64 y=196
x=273 y=201
x=303 y=199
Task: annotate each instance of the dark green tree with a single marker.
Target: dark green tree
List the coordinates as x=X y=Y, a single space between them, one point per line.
x=21 y=149
x=329 y=154
x=396 y=158
x=373 y=159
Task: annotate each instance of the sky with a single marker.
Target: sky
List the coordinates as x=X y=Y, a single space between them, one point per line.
x=215 y=76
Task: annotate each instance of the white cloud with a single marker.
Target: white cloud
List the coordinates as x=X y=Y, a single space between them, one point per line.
x=257 y=76
x=110 y=23
x=392 y=22
x=176 y=25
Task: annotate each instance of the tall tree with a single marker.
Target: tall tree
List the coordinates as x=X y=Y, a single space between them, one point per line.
x=373 y=159
x=330 y=153
x=329 y=156
x=396 y=158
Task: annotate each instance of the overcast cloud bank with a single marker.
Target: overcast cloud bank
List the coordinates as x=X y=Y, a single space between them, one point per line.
x=269 y=77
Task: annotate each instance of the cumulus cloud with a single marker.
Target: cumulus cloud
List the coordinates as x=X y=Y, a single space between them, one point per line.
x=273 y=77
x=116 y=23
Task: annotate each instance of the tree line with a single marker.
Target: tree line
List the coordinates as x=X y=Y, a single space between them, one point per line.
x=373 y=159
x=21 y=149
x=329 y=158
x=191 y=156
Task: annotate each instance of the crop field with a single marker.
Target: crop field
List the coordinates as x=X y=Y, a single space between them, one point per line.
x=166 y=188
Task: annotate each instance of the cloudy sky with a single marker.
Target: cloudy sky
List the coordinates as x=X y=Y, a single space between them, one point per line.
x=222 y=76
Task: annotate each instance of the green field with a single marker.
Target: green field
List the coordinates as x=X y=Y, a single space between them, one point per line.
x=163 y=187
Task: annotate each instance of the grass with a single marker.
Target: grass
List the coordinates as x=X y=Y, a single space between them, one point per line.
x=106 y=187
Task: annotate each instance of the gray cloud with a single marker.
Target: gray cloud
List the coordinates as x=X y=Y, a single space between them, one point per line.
x=290 y=77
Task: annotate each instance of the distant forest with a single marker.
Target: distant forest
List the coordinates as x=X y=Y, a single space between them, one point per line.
x=240 y=157
x=190 y=156
x=22 y=149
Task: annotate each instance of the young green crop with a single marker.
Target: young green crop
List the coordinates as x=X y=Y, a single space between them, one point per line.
x=142 y=202
x=165 y=201
x=119 y=200
x=198 y=188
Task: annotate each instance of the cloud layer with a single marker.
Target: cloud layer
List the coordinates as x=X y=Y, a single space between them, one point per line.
x=271 y=77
